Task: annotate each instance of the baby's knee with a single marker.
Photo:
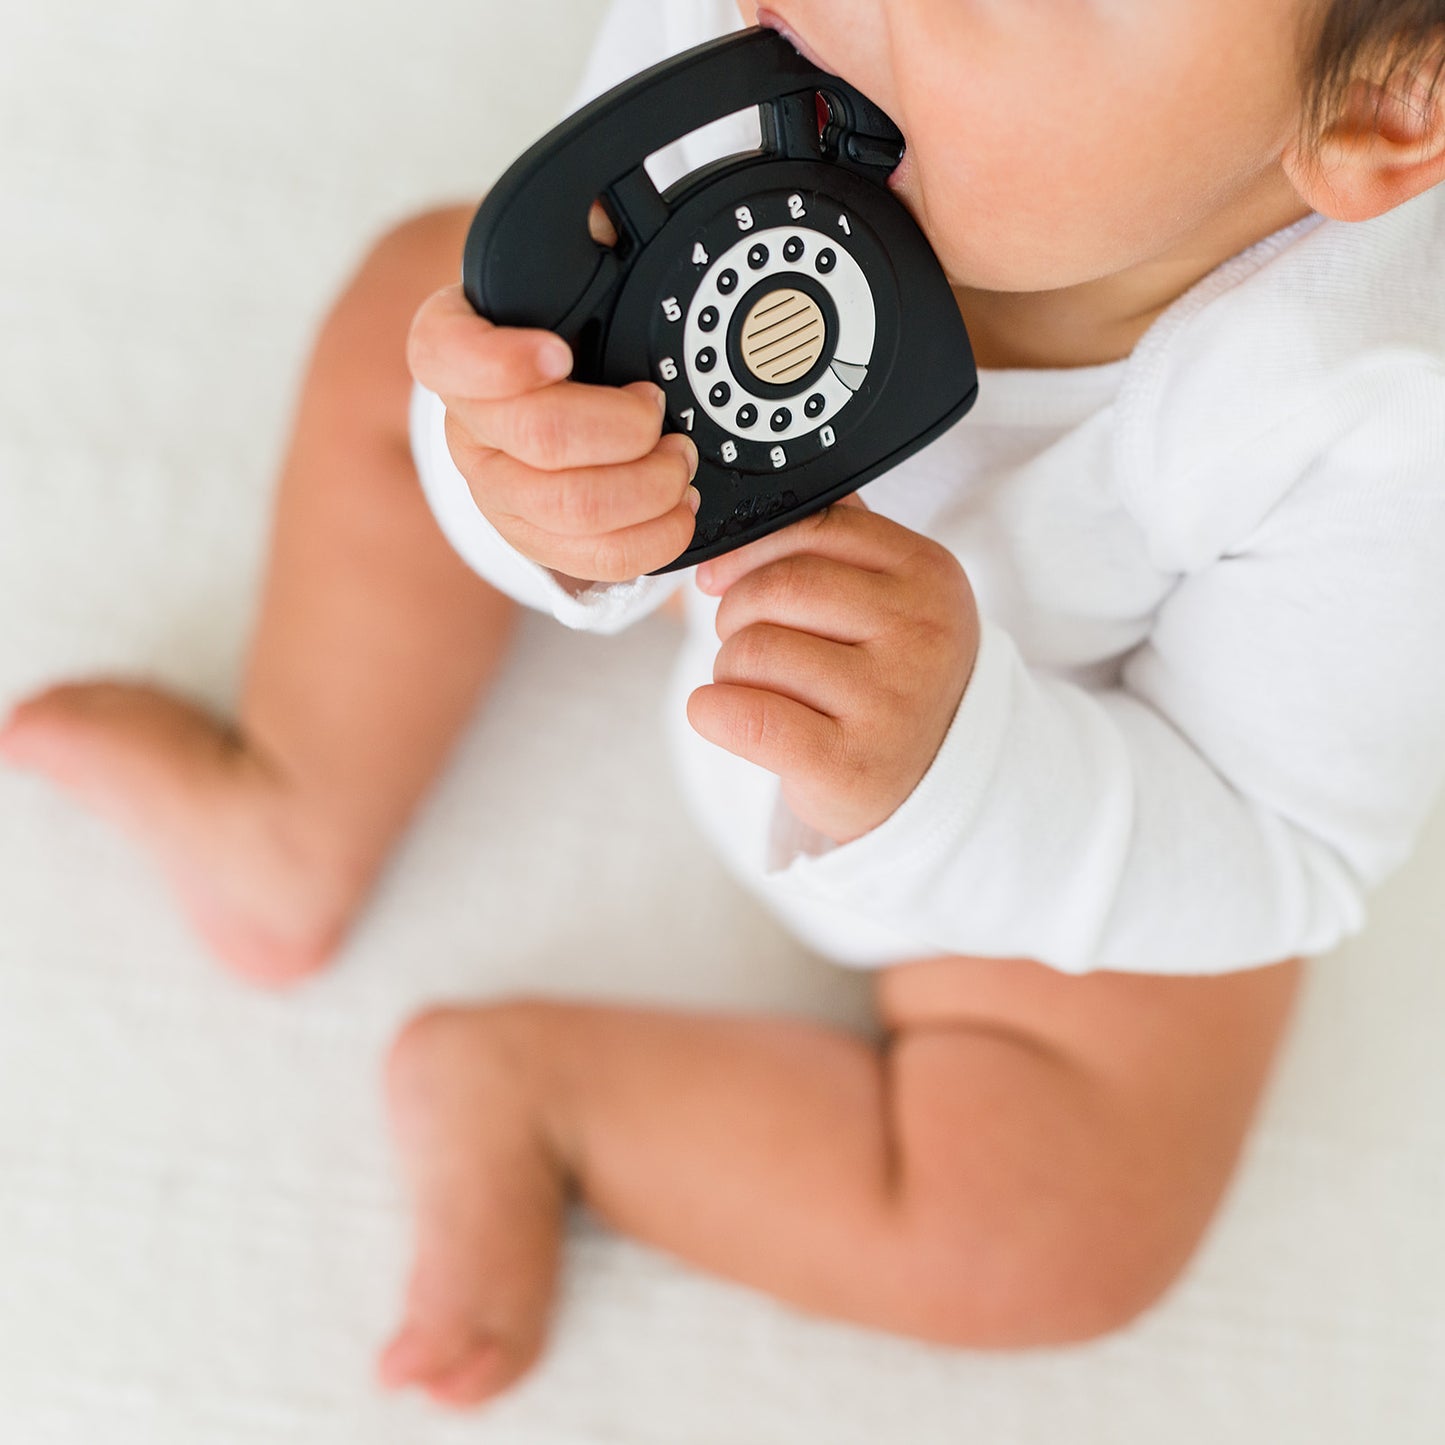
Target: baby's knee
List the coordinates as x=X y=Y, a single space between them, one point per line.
x=447 y=1041
x=1070 y=1282
x=422 y=253
x=1109 y=1274
x=365 y=331
x=1068 y=1140
x=1037 y=1202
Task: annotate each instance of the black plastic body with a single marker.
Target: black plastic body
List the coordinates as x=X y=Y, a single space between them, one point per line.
x=530 y=260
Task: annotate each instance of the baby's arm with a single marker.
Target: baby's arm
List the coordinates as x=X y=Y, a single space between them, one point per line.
x=1269 y=755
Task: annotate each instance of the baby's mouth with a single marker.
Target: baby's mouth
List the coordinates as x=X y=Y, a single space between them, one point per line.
x=771 y=21
x=898 y=176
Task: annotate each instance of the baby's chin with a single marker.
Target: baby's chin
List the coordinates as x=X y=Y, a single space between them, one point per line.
x=992 y=258
x=1002 y=274
x=976 y=263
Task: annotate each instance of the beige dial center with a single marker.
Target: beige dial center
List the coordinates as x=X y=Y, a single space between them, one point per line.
x=783 y=336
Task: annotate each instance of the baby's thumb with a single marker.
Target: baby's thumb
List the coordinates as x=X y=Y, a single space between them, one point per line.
x=459 y=355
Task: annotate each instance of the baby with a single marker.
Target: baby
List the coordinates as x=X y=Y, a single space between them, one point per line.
x=1098 y=716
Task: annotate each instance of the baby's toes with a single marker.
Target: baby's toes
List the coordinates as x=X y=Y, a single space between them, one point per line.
x=456 y=1366
x=486 y=1370
x=422 y=1354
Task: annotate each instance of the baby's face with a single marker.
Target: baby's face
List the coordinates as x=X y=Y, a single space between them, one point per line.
x=1051 y=142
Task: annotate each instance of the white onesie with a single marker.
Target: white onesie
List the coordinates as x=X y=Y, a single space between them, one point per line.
x=1208 y=712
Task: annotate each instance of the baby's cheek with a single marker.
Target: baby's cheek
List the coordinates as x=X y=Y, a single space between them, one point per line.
x=1020 y=230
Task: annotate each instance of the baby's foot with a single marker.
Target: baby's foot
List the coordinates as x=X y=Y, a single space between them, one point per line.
x=489 y=1207
x=259 y=879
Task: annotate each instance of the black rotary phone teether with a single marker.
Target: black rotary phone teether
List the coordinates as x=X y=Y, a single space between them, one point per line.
x=786 y=302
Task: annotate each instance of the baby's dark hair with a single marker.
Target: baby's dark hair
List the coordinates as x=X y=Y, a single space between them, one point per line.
x=1396 y=39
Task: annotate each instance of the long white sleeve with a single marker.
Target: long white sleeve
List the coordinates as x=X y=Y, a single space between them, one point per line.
x=1271 y=753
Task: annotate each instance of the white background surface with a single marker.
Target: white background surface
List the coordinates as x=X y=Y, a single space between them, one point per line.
x=202 y=1235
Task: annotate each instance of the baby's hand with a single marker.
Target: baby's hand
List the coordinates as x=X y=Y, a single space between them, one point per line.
x=847 y=643
x=573 y=476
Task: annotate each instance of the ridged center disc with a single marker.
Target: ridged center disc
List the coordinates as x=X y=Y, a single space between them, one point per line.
x=783 y=336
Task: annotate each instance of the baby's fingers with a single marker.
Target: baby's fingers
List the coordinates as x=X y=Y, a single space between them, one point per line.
x=778 y=733
x=568 y=425
x=456 y=353
x=612 y=557
x=577 y=501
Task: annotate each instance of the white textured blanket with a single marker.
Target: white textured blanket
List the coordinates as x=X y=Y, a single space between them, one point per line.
x=202 y=1236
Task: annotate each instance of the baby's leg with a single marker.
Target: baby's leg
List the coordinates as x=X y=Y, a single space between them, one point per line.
x=1027 y=1159
x=373 y=643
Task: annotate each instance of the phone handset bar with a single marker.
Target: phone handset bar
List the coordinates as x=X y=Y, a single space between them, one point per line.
x=533 y=223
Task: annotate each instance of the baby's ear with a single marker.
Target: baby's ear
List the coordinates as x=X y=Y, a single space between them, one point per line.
x=1383 y=147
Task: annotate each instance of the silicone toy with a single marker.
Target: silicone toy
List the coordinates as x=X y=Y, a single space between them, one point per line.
x=785 y=301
